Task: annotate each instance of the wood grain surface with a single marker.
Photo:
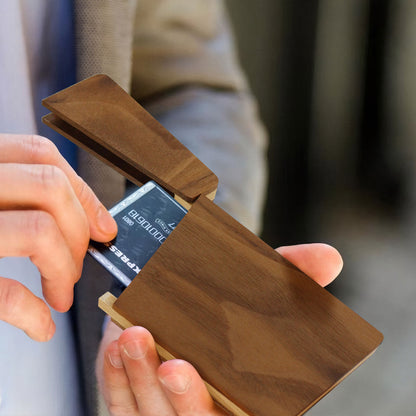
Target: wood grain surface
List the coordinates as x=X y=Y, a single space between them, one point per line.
x=256 y=328
x=101 y=117
x=265 y=336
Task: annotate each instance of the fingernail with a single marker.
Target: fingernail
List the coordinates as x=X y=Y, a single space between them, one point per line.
x=135 y=349
x=115 y=359
x=177 y=383
x=105 y=221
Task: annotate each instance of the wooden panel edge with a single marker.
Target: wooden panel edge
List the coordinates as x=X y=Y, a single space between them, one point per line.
x=105 y=90
x=188 y=205
x=338 y=382
x=85 y=143
x=106 y=302
x=82 y=141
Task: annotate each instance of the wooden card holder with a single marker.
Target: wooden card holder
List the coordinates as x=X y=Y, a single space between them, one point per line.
x=265 y=337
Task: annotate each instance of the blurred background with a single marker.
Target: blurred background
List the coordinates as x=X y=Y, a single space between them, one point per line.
x=335 y=82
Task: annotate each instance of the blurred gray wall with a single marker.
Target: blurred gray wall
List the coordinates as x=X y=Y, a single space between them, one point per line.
x=325 y=73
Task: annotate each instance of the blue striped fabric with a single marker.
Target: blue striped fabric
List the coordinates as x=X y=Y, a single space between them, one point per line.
x=58 y=70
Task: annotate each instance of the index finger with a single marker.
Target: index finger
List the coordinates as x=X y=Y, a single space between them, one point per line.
x=33 y=149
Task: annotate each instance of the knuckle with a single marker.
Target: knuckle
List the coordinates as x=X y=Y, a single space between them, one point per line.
x=40 y=224
x=85 y=194
x=41 y=228
x=41 y=149
x=50 y=182
x=51 y=178
x=87 y=200
x=11 y=298
x=123 y=410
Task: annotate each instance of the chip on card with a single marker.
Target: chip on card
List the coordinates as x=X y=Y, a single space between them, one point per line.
x=145 y=219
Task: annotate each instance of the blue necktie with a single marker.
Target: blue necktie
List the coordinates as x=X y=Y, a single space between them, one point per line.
x=60 y=70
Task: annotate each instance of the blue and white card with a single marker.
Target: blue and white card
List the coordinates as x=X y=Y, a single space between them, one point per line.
x=145 y=219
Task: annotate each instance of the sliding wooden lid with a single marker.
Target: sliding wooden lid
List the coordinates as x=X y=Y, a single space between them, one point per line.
x=258 y=330
x=99 y=116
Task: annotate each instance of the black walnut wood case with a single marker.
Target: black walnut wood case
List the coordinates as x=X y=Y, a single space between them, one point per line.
x=266 y=338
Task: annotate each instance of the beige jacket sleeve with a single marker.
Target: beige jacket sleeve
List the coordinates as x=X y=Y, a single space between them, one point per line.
x=184 y=59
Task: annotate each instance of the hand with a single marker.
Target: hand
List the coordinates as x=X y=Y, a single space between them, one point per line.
x=47 y=213
x=134 y=381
